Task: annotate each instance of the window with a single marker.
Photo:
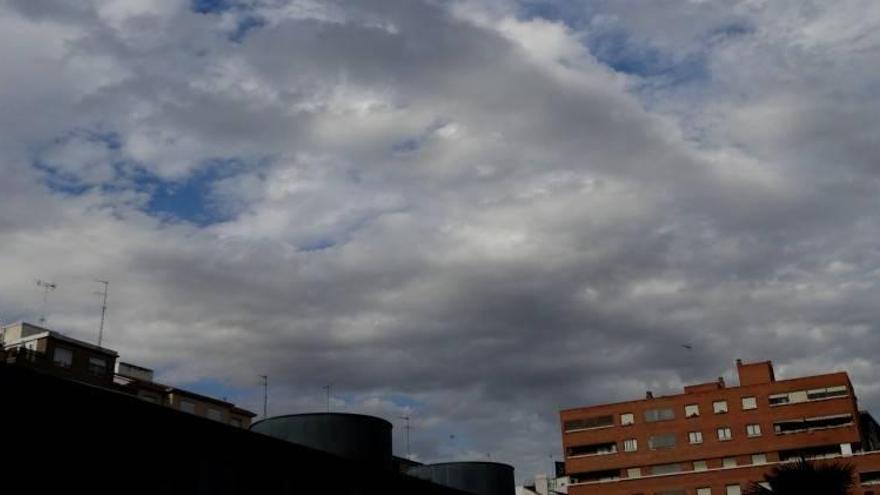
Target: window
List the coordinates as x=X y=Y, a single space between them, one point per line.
x=719 y=406
x=215 y=414
x=759 y=458
x=630 y=445
x=592 y=449
x=749 y=403
x=634 y=473
x=588 y=423
x=149 y=398
x=827 y=393
x=188 y=406
x=695 y=437
x=627 y=419
x=732 y=490
x=795 y=425
x=665 y=441
x=62 y=357
x=753 y=430
x=236 y=422
x=728 y=462
x=652 y=415
x=778 y=399
x=97 y=366
x=700 y=466
x=724 y=434
x=704 y=491
x=666 y=469
x=691 y=411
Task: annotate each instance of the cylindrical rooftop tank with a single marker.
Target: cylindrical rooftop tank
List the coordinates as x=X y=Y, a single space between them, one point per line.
x=479 y=478
x=358 y=437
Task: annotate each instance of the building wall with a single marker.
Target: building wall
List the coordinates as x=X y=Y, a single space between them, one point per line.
x=760 y=384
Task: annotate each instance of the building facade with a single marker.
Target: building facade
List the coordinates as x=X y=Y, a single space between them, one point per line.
x=28 y=345
x=715 y=439
x=31 y=345
x=138 y=381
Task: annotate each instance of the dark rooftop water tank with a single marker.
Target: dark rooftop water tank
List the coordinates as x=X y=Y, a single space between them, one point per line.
x=353 y=436
x=479 y=478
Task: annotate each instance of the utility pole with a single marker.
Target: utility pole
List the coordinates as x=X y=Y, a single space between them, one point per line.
x=103 y=293
x=47 y=286
x=407 y=428
x=265 y=396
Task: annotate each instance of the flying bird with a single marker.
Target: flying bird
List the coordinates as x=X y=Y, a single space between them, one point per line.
x=688 y=347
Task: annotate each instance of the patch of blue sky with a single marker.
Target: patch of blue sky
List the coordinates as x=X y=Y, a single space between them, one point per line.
x=402 y=400
x=212 y=6
x=191 y=200
x=619 y=51
x=574 y=14
x=247 y=20
x=62 y=181
x=246 y=24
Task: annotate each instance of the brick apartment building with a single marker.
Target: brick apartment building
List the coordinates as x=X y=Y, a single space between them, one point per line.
x=715 y=439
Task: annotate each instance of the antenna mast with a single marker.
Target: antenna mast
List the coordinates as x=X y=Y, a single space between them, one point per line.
x=407 y=428
x=47 y=286
x=265 y=396
x=103 y=293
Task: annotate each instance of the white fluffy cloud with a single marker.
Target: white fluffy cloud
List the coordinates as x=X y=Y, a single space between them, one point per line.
x=459 y=211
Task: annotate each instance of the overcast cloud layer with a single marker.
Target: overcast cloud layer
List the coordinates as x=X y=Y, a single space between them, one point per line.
x=472 y=213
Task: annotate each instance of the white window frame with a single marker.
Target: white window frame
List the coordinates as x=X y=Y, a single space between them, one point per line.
x=732 y=490
x=692 y=411
x=701 y=466
x=759 y=459
x=719 y=407
x=728 y=462
x=704 y=491
x=724 y=433
x=627 y=419
x=630 y=445
x=753 y=430
x=634 y=473
x=695 y=437
x=749 y=403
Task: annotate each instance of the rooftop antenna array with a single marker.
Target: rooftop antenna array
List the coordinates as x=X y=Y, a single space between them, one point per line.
x=46 y=286
x=104 y=294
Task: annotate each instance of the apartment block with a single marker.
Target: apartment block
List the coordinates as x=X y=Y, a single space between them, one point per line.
x=138 y=381
x=32 y=346
x=718 y=439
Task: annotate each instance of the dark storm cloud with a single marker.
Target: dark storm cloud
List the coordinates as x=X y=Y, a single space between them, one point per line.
x=460 y=213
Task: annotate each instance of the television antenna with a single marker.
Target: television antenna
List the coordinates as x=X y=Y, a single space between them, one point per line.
x=104 y=294
x=46 y=286
x=407 y=428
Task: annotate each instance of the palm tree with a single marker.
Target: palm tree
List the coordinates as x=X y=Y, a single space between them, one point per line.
x=803 y=477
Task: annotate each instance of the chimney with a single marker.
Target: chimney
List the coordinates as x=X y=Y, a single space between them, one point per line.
x=720 y=382
x=649 y=395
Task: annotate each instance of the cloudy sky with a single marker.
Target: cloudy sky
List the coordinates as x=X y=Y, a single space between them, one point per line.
x=470 y=212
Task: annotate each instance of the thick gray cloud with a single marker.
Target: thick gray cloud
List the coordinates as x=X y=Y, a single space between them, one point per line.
x=463 y=212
